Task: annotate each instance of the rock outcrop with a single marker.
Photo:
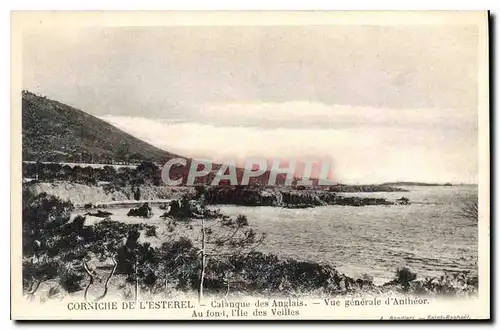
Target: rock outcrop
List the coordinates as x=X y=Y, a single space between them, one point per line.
x=142 y=211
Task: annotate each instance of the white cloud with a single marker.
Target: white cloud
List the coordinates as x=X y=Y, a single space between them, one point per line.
x=366 y=144
x=304 y=114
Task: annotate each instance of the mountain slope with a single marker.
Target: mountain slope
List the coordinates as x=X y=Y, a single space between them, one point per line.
x=53 y=131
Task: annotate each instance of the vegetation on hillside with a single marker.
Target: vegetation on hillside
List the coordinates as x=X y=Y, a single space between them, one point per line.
x=53 y=131
x=146 y=173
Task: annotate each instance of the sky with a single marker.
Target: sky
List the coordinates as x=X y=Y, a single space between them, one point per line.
x=382 y=103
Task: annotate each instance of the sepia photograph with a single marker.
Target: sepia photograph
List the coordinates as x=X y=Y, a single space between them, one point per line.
x=250 y=165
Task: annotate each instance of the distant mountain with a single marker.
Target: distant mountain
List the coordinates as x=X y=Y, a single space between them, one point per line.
x=407 y=183
x=53 y=131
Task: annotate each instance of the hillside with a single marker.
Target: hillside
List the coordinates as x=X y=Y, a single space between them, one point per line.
x=53 y=131
x=56 y=132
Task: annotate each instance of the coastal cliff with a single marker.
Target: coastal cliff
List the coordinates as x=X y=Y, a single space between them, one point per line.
x=248 y=196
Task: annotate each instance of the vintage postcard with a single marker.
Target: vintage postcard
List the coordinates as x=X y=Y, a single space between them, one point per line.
x=250 y=165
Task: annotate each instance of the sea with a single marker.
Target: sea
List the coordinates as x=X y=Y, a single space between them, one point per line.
x=430 y=236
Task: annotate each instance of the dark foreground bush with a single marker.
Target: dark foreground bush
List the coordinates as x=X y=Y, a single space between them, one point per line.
x=404 y=276
x=61 y=250
x=177 y=265
x=39 y=271
x=70 y=279
x=457 y=283
x=460 y=283
x=151 y=232
x=41 y=213
x=51 y=245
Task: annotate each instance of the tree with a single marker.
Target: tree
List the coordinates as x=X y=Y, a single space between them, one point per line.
x=40 y=213
x=148 y=173
x=91 y=273
x=220 y=235
x=89 y=175
x=404 y=276
x=108 y=173
x=226 y=236
x=66 y=172
x=77 y=173
x=470 y=211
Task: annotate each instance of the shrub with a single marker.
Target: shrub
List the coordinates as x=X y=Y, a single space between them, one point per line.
x=199 y=191
x=69 y=279
x=41 y=213
x=470 y=211
x=151 y=231
x=242 y=220
x=147 y=173
x=258 y=272
x=175 y=263
x=367 y=278
x=42 y=270
x=460 y=283
x=404 y=276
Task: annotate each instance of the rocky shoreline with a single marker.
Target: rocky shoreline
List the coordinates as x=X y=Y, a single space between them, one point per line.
x=109 y=195
x=249 y=196
x=58 y=249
